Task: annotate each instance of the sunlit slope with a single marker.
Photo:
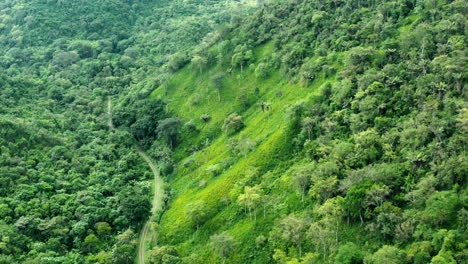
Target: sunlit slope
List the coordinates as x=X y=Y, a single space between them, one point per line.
x=190 y=96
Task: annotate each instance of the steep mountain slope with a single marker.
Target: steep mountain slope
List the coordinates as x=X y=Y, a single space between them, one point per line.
x=323 y=132
x=306 y=132
x=71 y=190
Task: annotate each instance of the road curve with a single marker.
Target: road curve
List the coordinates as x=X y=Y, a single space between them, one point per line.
x=156 y=204
x=158 y=188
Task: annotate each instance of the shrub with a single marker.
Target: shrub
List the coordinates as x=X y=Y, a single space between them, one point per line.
x=349 y=253
x=205 y=118
x=233 y=123
x=387 y=255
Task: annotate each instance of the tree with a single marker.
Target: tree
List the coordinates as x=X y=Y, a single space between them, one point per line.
x=354 y=200
x=332 y=212
x=261 y=72
x=241 y=147
x=368 y=146
x=387 y=220
x=452 y=68
x=421 y=251
x=124 y=249
x=132 y=52
x=196 y=212
x=91 y=243
x=142 y=120
x=309 y=72
x=349 y=253
x=233 y=123
x=169 y=130
x=100 y=258
x=294 y=55
x=440 y=208
x=265 y=106
x=308 y=125
x=5 y=211
x=386 y=255
x=127 y=237
x=84 y=49
x=216 y=83
x=65 y=59
x=424 y=188
x=123 y=254
x=293 y=229
x=301 y=177
x=164 y=255
x=242 y=55
x=444 y=258
x=321 y=237
x=223 y=244
x=280 y=257
x=200 y=62
x=251 y=198
x=360 y=58
x=376 y=195
x=134 y=205
x=323 y=189
x=103 y=228
x=177 y=61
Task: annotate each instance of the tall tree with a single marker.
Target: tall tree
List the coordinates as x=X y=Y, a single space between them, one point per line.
x=293 y=229
x=197 y=213
x=250 y=199
x=216 y=83
x=223 y=244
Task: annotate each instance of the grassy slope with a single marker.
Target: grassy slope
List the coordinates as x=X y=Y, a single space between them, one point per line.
x=269 y=163
x=266 y=128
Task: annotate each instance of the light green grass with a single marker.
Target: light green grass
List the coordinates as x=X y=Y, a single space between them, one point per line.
x=266 y=128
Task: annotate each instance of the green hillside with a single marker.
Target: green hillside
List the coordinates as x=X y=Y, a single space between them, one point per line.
x=352 y=143
x=73 y=189
x=291 y=132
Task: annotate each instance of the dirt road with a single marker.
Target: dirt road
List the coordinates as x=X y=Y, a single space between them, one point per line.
x=158 y=188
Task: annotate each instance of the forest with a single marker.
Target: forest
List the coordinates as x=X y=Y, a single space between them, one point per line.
x=248 y=131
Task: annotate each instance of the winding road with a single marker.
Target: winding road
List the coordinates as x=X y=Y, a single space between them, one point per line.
x=158 y=189
x=156 y=204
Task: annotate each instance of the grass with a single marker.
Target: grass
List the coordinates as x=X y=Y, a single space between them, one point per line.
x=190 y=97
x=266 y=128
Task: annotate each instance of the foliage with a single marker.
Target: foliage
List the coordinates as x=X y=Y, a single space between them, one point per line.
x=387 y=254
x=233 y=123
x=197 y=213
x=164 y=255
x=365 y=122
x=349 y=253
x=71 y=180
x=359 y=106
x=223 y=244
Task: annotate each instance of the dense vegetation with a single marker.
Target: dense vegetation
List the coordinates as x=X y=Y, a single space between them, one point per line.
x=72 y=189
x=305 y=132
x=324 y=132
